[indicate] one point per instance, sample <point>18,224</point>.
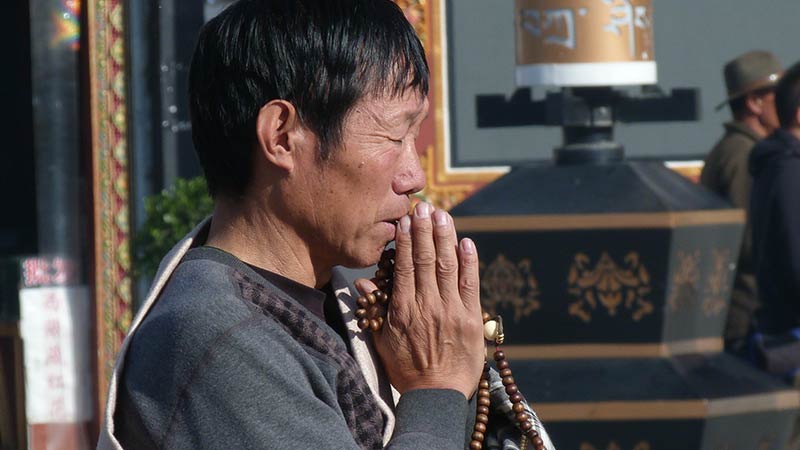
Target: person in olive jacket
<point>750,80</point>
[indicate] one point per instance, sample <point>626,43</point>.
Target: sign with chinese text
<point>54,325</point>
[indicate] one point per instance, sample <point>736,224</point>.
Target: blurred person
<point>775,213</point>
<point>750,80</point>
<point>304,118</point>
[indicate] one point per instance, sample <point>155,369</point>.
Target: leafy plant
<point>169,215</point>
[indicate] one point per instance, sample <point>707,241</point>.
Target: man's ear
<point>755,104</point>
<point>277,130</point>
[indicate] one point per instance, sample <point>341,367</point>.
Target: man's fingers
<point>468,274</point>
<point>424,251</point>
<point>364,286</point>
<point>446,256</point>
<point>404,286</point>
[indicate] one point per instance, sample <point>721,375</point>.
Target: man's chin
<point>367,259</point>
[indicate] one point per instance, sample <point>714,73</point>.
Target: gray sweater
<point>225,360</point>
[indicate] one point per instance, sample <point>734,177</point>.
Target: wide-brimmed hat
<point>750,72</point>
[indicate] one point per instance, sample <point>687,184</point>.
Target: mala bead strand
<point>372,307</point>
<point>370,311</point>
<point>522,417</point>
<point>482,414</point>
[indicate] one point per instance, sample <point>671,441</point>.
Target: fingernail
<point>423,210</point>
<point>468,246</point>
<point>404,223</point>
<point>440,218</point>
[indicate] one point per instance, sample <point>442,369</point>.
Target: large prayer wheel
<point>585,42</point>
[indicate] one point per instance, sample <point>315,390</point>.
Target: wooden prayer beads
<point>370,312</point>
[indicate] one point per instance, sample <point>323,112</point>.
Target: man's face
<point>354,198</point>
<point>769,116</point>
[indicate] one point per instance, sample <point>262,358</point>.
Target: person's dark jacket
<point>725,173</point>
<point>775,216</point>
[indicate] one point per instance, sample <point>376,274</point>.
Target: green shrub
<point>169,215</point>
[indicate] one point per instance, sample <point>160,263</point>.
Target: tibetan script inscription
<point>583,31</point>
<point>555,26</point>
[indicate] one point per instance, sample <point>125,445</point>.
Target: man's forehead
<point>407,107</point>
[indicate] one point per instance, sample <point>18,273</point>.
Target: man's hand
<point>433,333</point>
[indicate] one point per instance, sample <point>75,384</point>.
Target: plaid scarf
<point>360,411</point>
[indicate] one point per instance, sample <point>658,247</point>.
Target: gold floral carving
<point>415,13</point>
<point>686,275</point>
<point>613,445</point>
<point>509,285</point>
<point>608,285</point>
<point>718,283</point>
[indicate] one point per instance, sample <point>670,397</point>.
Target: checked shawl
<point>353,394</point>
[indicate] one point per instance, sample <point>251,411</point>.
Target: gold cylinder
<point>584,42</point>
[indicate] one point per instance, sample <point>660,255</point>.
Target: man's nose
<point>410,177</point>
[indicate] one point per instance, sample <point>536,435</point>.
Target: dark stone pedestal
<point>613,282</point>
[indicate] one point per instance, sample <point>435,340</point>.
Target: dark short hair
<point>787,96</point>
<point>323,56</point>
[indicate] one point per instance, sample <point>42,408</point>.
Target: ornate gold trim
<point>446,186</point>
<point>613,445</point>
<point>667,409</point>
<point>598,221</point>
<point>110,186</point>
<point>613,350</point>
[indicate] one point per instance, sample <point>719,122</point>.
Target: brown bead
<point>475,445</point>
<point>385,264</point>
<point>525,426</point>
<point>380,321</point>
<point>363,323</point>
<point>538,443</point>
<point>389,253</point>
<point>482,418</point>
<point>484,401</point>
<point>480,427</point>
<point>374,325</point>
<point>371,298</point>
<point>381,296</point>
<point>361,313</point>
<point>483,393</point>
<point>373,311</point>
<point>483,410</point>
<point>515,398</point>
<point>382,273</point>
<point>499,355</point>
<point>518,407</point>
<point>382,284</point>
<point>477,435</point>
<point>532,434</point>
<point>523,417</point>
<point>362,302</point>
<point>512,389</point>
<point>508,380</point>
<point>486,317</point>
<point>484,384</point>
<point>505,372</point>
<point>502,364</point>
